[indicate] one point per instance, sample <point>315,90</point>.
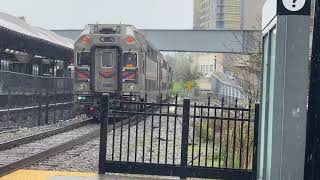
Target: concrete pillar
<point>282,131</point>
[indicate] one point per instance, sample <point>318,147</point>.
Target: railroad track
<point>31,138</point>
<point>26,152</point>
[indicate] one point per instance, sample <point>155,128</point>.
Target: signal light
<point>129,65</point>
<point>130,39</point>
<point>85,39</point>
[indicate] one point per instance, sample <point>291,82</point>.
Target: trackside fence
<point>185,140</point>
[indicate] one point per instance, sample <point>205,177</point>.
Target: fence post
<point>47,108</point>
<point>184,138</point>
<point>9,104</point>
<point>103,133</point>
<point>54,107</point>
<point>39,109</point>
<point>255,142</point>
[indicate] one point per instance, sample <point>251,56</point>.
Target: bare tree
<point>181,64</point>
<point>246,68</point>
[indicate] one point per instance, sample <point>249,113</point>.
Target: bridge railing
<point>18,83</point>
<point>225,89</point>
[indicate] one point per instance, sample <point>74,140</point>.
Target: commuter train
<point>117,59</point>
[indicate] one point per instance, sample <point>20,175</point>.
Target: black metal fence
<point>186,140</point>
<point>18,83</point>
<point>35,110</point>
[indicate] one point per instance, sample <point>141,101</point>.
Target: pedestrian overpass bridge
<point>211,41</point>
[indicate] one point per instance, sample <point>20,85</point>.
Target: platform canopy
<point>18,35</point>
<point>214,41</point>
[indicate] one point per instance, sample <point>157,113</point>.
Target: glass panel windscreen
<point>106,59</point>
<point>129,59</point>
<point>83,59</point>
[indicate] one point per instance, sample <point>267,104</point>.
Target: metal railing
<point>18,83</point>
<point>186,140</point>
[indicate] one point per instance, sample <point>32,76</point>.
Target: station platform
<point>64,175</point>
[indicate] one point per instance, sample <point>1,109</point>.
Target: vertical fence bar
<point>175,129</point>
<point>151,139</point>
<point>193,131</point>
<point>207,133</point>
<point>214,134</point>
<point>200,135</point>
<point>234,132</point>
<point>221,124</point>
<point>103,134</point>
<point>9,103</point>
<point>159,134</point>
<point>54,106</point>
<point>128,143</point>
<point>121,134</point>
<point>241,139</point>
<point>62,111</point>
<point>144,126</point>
<point>39,110</point>
<point>184,138</point>
<point>227,143</point>
<point>167,133</point>
<point>47,109</point>
<point>113,135</point>
<point>136,140</point>
<point>248,135</point>
<point>255,142</point>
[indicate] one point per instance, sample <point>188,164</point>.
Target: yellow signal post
<point>189,86</point>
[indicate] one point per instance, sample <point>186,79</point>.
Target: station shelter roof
<point>18,35</point>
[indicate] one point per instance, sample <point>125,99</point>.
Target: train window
<point>83,59</point>
<point>106,59</point>
<point>129,59</point>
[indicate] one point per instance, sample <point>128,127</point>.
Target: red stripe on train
<point>106,74</point>
<point>129,75</point>
<point>83,75</point>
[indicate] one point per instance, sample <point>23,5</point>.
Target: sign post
<point>312,158</point>
<point>283,109</point>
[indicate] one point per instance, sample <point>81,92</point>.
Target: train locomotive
<point>117,59</point>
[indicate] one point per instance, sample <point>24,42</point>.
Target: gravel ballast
<point>26,150</point>
<point>85,157</point>
<point>24,132</point>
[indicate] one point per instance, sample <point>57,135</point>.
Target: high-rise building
<point>227,14</point>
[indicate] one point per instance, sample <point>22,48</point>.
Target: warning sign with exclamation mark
<point>293,7</point>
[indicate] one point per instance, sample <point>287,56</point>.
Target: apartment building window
<point>211,68</point>
<point>201,68</point>
<point>220,25</point>
<point>215,65</point>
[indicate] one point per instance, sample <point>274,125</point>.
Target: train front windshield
<point>84,59</point>
<point>129,59</point>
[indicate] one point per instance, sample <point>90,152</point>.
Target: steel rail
<point>31,138</point>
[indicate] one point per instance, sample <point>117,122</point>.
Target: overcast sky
<point>67,14</point>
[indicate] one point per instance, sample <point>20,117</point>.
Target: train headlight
<point>81,98</point>
<point>131,87</point>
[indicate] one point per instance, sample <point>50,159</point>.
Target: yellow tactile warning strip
<point>42,175</point>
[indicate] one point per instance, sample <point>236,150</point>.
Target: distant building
<point>227,14</point>
<point>207,64</point>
